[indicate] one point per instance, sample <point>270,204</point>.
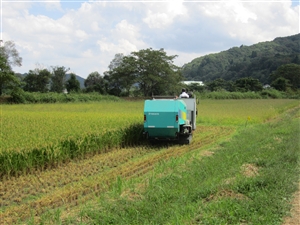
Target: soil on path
<point>294,219</point>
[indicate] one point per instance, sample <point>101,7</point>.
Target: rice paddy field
<point>55,159</point>
<point>30,126</point>
<point>33,126</point>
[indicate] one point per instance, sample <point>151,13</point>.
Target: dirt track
<point>294,219</point>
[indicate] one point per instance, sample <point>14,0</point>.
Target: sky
<point>85,36</point>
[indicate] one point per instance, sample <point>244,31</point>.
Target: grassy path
<point>248,180</point>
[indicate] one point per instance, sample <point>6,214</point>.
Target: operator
<point>183,94</point>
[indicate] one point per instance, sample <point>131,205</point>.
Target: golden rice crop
<point>41,135</point>
<point>241,112</point>
<point>34,126</point>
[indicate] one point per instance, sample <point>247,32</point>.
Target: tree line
<point>146,72</point>
<point>142,73</point>
<point>286,78</point>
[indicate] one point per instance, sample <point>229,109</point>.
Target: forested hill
<point>256,61</point>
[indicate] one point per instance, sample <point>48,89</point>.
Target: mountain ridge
<point>256,61</point>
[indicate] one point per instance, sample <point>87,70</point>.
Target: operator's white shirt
<point>184,95</point>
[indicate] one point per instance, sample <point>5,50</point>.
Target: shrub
<point>20,96</point>
<point>272,93</point>
<point>17,96</point>
<point>228,95</point>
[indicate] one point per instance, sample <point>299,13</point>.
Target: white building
<point>193,82</point>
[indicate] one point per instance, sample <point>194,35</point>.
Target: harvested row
<point>86,178</point>
<point>47,181</point>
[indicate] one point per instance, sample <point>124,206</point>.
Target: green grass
<point>195,189</point>
<point>241,112</point>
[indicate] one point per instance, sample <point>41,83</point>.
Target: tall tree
<point>123,75</point>
<point>37,80</point>
<point>217,85</point>
<point>116,62</point>
<point>7,76</point>
<point>290,73</point>
<point>9,57</point>
<point>58,78</point>
<point>11,54</point>
<point>30,81</point>
<point>43,80</point>
<point>73,84</point>
<point>155,72</point>
<point>281,84</point>
<point>112,86</point>
<point>94,82</point>
<point>248,84</point>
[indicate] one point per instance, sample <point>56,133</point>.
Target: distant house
<point>193,82</point>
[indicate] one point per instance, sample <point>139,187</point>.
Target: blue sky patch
<point>41,8</point>
<point>295,3</point>
<point>68,5</point>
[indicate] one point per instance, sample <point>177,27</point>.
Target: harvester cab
<point>169,118</point>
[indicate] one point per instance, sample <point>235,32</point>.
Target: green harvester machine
<point>169,118</point>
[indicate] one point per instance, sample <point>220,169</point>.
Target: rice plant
<point>39,135</point>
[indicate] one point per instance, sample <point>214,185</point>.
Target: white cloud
<point>157,20</point>
<point>160,15</point>
<point>87,38</point>
<point>85,8</point>
<point>67,20</point>
<point>125,29</point>
<point>106,46</point>
<point>125,38</point>
<point>81,35</point>
<point>121,46</point>
<point>254,21</point>
<point>52,5</point>
<point>88,54</point>
<point>95,26</point>
<point>46,47</point>
<point>14,9</point>
<point>228,11</point>
<point>183,57</point>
